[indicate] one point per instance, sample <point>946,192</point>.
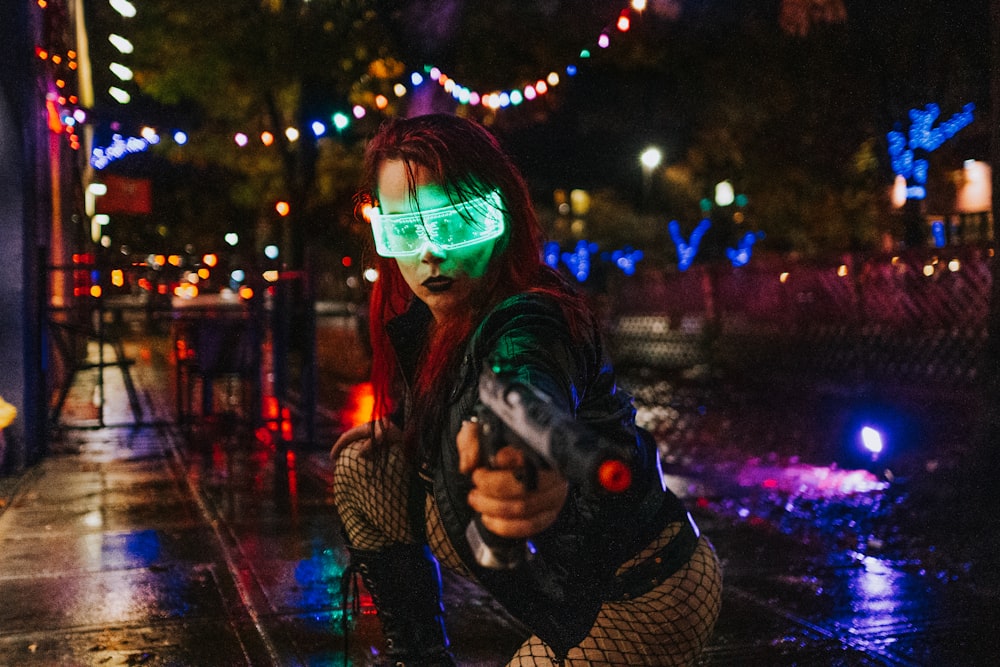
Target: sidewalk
<point>134,545</point>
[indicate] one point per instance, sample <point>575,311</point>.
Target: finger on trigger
<point>468,446</point>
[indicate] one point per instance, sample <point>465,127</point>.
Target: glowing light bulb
<point>120,43</point>
<point>241,139</point>
<point>121,71</point>
<point>603,41</point>
<point>120,96</point>
<point>123,7</point>
<point>871,439</point>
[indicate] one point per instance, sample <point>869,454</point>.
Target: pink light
<point>603,41</point>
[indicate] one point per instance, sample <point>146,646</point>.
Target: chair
<point>210,348</point>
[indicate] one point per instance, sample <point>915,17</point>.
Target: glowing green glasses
<point>464,224</point>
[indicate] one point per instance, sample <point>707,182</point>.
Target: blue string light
<point>119,148</point>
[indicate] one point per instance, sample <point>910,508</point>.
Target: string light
<point>119,148</point>
<point>494,100</point>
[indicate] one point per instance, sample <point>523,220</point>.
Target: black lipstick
<point>438,283</point>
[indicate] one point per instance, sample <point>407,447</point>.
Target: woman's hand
<point>508,509</point>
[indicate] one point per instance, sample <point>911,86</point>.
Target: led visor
<point>464,224</point>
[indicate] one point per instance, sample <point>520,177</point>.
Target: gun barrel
<point>563,443</point>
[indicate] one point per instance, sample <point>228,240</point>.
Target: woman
<point>615,578</point>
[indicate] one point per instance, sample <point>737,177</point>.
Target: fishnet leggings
<point>668,625</point>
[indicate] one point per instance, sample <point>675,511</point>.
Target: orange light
<point>55,125</point>
<point>282,208</point>
<point>286,424</point>
<point>210,259</point>
<point>614,476</point>
<point>266,138</point>
<point>186,290</point>
<point>381,101</point>
<point>366,210</point>
<point>204,273</point>
<point>360,404</point>
<point>174,260</point>
<point>246,292</point>
<point>95,291</point>
<point>117,277</point>
<point>269,408</point>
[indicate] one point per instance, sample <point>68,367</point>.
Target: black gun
<point>520,415</point>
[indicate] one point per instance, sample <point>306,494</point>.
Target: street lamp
<point>650,159</point>
<point>724,194</point>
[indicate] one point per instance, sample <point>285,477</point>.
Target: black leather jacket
<point>557,593</point>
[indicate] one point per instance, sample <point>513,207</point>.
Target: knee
<point>351,465</point>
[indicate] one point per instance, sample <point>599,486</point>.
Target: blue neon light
<point>625,259</point>
<point>550,254</point>
<point>923,136</point>
<point>740,255</point>
<point>938,232</point>
<point>686,251</point>
<point>871,440</point>
<point>578,261</point>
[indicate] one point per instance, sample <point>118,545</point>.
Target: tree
<point>260,68</point>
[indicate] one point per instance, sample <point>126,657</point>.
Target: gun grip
<point>495,552</point>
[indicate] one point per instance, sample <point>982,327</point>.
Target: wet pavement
<point>146,544</point>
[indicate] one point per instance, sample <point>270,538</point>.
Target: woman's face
<point>446,280</point>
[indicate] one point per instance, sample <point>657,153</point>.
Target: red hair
<point>467,161</point>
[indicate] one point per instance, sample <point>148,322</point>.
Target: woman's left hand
<point>509,509</point>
